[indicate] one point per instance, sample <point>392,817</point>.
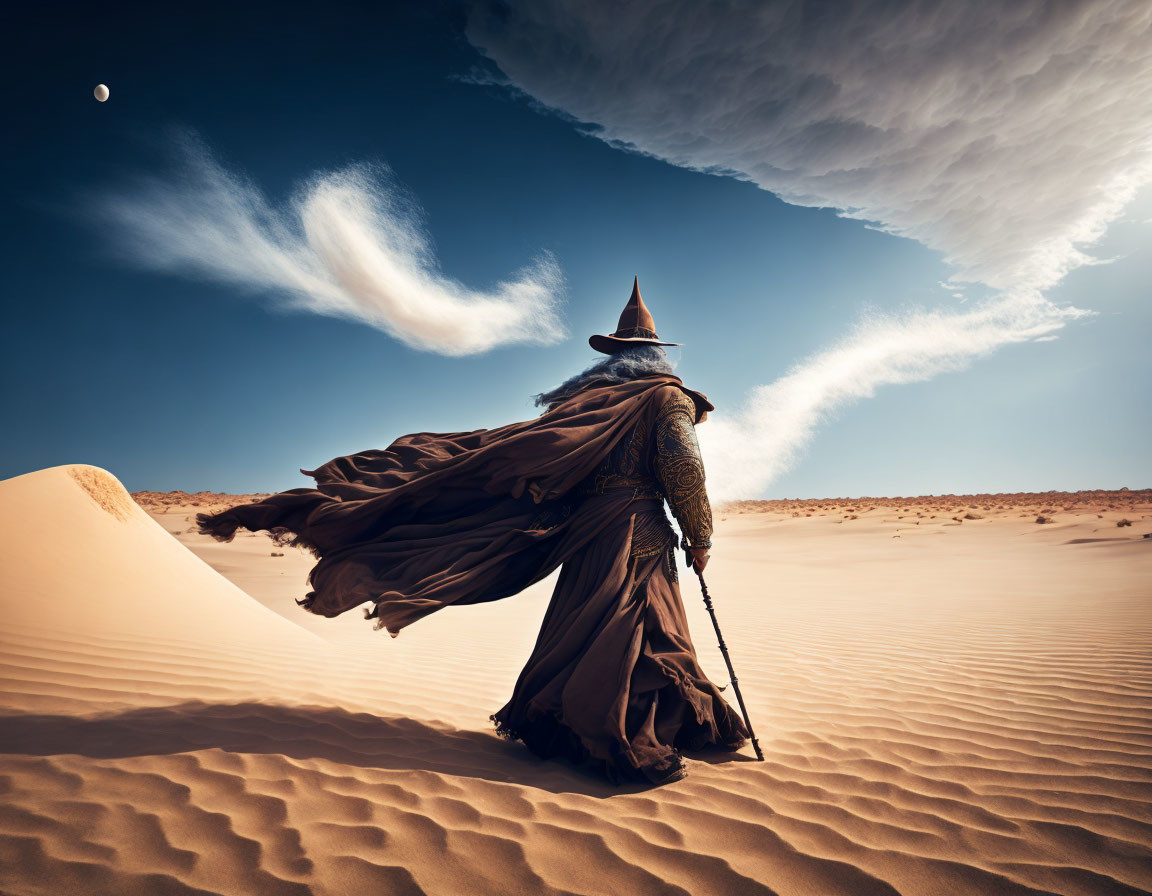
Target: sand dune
<point>963,709</point>
<point>85,557</point>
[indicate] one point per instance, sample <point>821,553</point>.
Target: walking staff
<point>724,650</point>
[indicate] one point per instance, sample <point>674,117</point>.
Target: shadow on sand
<point>306,732</point>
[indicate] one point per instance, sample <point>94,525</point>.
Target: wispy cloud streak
<point>347,245</point>
<point>1005,136</point>
<point>750,448</point>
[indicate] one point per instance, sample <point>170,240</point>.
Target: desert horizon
<point>1066,500</point>
<point>941,712</point>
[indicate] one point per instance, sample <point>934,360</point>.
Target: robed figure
<point>461,518</point>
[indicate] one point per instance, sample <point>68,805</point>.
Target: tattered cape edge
<point>222,527</point>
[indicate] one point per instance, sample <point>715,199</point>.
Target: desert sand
<point>952,697</point>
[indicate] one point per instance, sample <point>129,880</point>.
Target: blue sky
<point>185,382</point>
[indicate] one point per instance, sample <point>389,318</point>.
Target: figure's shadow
<point>304,732</point>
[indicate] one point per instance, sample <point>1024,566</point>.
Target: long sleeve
<point>680,468</point>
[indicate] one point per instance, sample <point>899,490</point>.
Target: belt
<point>637,496</point>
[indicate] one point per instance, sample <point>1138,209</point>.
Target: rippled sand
<point>947,705</point>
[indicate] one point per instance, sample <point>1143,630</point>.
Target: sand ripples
<point>922,736</point>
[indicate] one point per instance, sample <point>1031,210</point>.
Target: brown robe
<point>460,518</point>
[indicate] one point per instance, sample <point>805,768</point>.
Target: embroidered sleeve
<point>680,469</point>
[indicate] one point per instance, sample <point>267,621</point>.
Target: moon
<point>101,92</point>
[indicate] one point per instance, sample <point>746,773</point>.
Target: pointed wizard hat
<point>636,327</point>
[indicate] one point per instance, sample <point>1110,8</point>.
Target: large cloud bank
<point>347,245</point>
<point>1005,136</point>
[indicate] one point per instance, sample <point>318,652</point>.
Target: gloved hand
<point>698,557</point>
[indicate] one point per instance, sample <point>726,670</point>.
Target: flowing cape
<point>452,518</point>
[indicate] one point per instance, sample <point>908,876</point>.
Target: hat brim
<point>610,344</point>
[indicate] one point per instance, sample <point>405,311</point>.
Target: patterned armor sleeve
<point>680,469</point>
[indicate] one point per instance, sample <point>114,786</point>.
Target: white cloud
<point>1004,136</point>
<point>347,245</point>
<point>747,450</point>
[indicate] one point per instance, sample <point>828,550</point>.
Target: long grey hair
<point>619,367</point>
